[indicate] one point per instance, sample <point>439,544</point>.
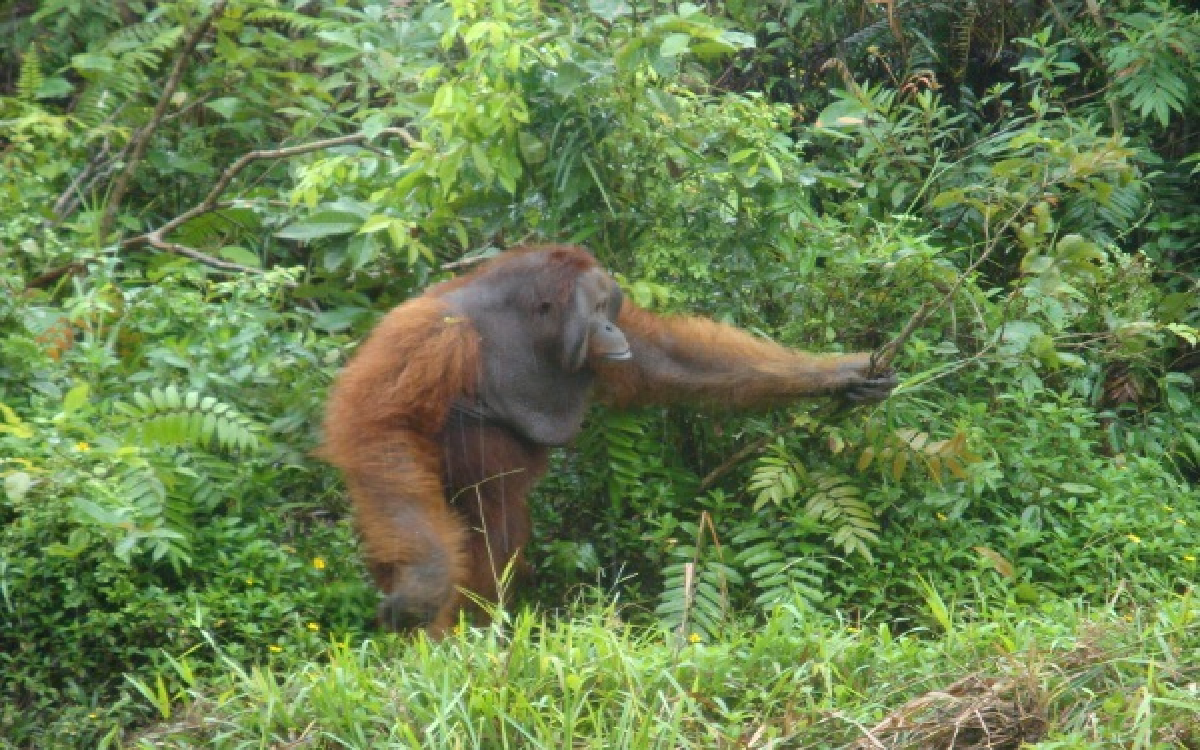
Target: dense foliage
<point>207,202</point>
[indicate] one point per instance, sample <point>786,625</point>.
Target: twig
<point>99,167</point>
<point>212,202</point>
<point>142,139</point>
<point>68,200</point>
<point>742,454</point>
<point>461,263</point>
<point>52,276</point>
<point>881,359</point>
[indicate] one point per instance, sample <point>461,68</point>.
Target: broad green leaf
<point>240,255</point>
<point>75,398</point>
<point>842,114</point>
<point>674,45</point>
<point>321,224</point>
<point>17,485</point>
<point>949,198</point>
<point>377,223</point>
<point>225,106</point>
<point>609,10</point>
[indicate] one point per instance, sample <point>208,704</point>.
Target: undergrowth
<point>1065,675</point>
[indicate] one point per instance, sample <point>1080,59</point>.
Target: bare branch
<point>881,359</point>
<point>142,139</point>
<point>212,202</point>
<point>742,454</point>
<point>208,260</point>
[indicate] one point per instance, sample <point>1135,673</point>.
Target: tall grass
<point>1063,675</point>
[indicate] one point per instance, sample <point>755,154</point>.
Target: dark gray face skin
<point>537,339</point>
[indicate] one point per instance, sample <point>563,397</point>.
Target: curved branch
<point>212,201</point>
<point>142,139</point>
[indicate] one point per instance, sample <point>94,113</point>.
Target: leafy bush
<point>139,507</point>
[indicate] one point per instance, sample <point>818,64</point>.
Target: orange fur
<point>683,359</point>
<point>417,360</point>
<point>384,412</point>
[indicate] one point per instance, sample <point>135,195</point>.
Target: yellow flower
<point>274,649</point>
<point>695,638</point>
<point>1190,558</point>
<point>249,581</point>
<point>82,446</point>
<point>319,563</point>
<point>1181,521</point>
<point>313,627</point>
<point>1168,508</point>
<point>941,516</point>
<point>1133,538</point>
<point>93,716</point>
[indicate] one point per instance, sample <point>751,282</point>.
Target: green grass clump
<point>1060,676</point>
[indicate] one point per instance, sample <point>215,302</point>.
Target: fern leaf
<point>164,417</point>
<point>30,78</point>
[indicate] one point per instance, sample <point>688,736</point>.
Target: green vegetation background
<point>204,204</point>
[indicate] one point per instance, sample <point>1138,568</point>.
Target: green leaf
<point>376,223</point>
<point>1016,335</point>
<point>338,319</point>
<point>674,45</point>
<point>240,255</point>
<point>844,113</point>
<point>94,63</point>
<point>609,10</point>
<point>17,485</point>
<point>226,106</point>
<point>321,224</point>
<point>375,123</point>
<point>93,512</point>
<point>738,39</point>
<point>75,398</point>
<point>54,87</point>
<point>949,198</point>
<point>742,155</point>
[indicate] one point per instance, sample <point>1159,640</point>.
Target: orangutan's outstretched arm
<point>689,360</point>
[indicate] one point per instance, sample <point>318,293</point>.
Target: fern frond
<point>964,27</point>
<point>144,42</point>
<point>165,417</point>
<point>695,598</point>
<point>30,78</point>
<point>839,502</point>
<point>291,20</point>
<point>776,571</point>
<point>776,478</point>
<point>1154,67</point>
<point>164,518</point>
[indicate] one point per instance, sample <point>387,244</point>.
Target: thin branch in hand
<point>881,359</point>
